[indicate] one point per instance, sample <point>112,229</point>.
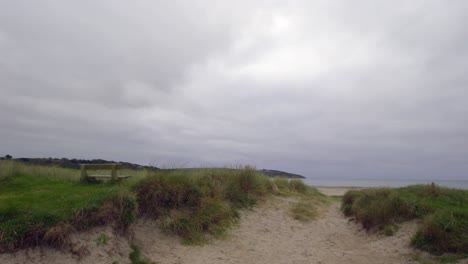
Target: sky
<point>326,89</point>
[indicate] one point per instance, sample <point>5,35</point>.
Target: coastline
<point>382,183</point>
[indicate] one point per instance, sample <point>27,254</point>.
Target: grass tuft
<point>304,211</point>
<point>58,235</point>
<point>195,202</point>
<point>102,239</point>
<point>444,213</point>
<point>444,231</point>
<point>298,186</point>
<point>390,230</point>
<point>136,258</point>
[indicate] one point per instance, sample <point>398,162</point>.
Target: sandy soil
<point>270,235</point>
<point>85,250</point>
<point>335,191</point>
<point>266,234</point>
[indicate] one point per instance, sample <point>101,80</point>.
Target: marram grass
<point>193,203</point>
<point>42,205</point>
<point>443,211</point>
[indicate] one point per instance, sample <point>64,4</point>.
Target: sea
<point>459,184</point>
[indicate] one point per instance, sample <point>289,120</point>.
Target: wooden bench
<point>113,167</point>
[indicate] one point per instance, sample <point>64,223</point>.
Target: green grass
<point>448,258</point>
<point>102,239</point>
<point>13,168</point>
<point>44,210</point>
<point>295,187</point>
<point>443,211</point>
<point>10,168</point>
<point>304,211</point>
<point>194,203</point>
<point>43,205</point>
<point>310,199</point>
<point>136,258</point>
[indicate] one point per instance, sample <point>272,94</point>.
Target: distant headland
<point>277,173</point>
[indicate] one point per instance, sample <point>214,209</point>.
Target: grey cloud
<point>323,88</point>
<point>93,50</point>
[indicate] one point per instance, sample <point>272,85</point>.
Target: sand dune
<point>270,235</point>
<point>266,234</point>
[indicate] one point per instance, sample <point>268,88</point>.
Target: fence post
<point>114,173</point>
<point>84,173</point>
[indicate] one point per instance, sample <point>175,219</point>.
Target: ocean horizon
<point>459,184</point>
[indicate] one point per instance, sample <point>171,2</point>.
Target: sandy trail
<point>266,234</point>
<point>269,235</point>
<point>336,191</point>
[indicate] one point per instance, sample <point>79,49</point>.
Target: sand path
<point>268,234</point>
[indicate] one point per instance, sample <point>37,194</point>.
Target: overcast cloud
<point>321,88</point>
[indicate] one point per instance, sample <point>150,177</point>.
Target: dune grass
<point>304,211</point>
<point>136,257</point>
<point>196,202</point>
<point>434,259</point>
<point>295,187</point>
<point>443,211</point>
<point>310,200</point>
<point>38,206</point>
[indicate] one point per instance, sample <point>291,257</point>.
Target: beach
<point>335,191</point>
